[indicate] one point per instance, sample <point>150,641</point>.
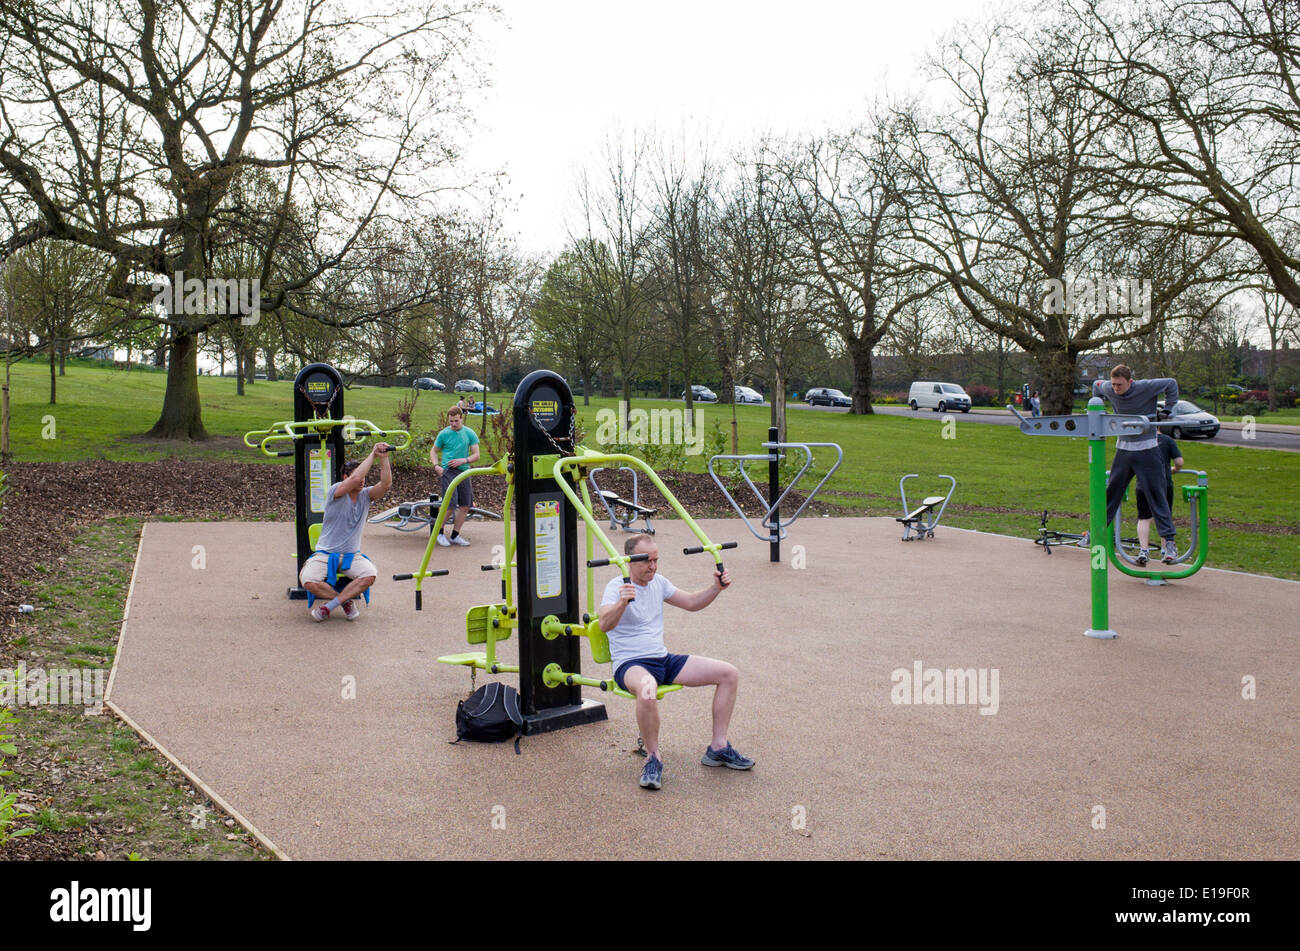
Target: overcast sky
<point>565,73</point>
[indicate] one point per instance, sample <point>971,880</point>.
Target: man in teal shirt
<point>459,447</point>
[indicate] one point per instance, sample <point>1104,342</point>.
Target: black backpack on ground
<point>490,715</point>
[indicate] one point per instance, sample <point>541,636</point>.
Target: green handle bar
<point>292,430</point>
<point>499,467</point>
<point>1202,548</point>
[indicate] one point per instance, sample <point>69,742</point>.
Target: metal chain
<point>315,407</point>
<point>571,438</point>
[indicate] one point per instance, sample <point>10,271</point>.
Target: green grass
<point>110,780</point>
<point>1004,479</point>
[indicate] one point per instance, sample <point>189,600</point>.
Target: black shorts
<point>663,669</point>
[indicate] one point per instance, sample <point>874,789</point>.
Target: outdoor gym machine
<point>317,437</point>
<point>1097,425</point>
<point>1195,496</point>
<point>546,483</point>
<point>771,521</point>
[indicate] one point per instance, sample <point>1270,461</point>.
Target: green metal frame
<point>291,430</point>
<point>483,622</point>
<point>1201,493</point>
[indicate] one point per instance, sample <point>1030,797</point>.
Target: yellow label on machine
<point>547,561</point>
<point>318,473</point>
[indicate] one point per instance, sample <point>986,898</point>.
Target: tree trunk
<point>778,404</point>
<point>860,394</point>
<point>1056,370</point>
<point>250,364</point>
<point>182,416</point>
<point>239,370</point>
<point>271,375</point>
<point>63,356</point>
<point>53,375</point>
<point>1272,371</point>
<point>4,416</point>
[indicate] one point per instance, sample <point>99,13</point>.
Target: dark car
<point>427,383</point>
<point>1191,420</point>
<point>824,396</point>
<point>701,394</point>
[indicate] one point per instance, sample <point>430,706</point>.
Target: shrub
<point>981,395</point>
<point>9,813</point>
<point>1259,396</point>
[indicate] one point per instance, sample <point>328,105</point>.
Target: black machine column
<point>774,492</point>
<point>317,457</point>
<point>546,553</point>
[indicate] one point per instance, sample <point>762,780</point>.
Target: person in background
<point>1135,452</point>
<point>459,447</point>
<point>1172,458</point>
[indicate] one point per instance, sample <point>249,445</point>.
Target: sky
<point>565,74</point>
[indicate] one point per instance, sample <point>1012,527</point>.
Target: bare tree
<point>760,281</point>
<point>611,252</point>
<point>1280,322</point>
<point>123,125</point>
<point>1019,210</point>
<point>681,231</point>
<point>1208,92</point>
<point>845,199</point>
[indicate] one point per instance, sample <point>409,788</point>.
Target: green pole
<point>1097,522</point>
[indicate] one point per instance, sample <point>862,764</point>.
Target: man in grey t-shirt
<point>1137,455</point>
<point>347,504</point>
<point>632,617</point>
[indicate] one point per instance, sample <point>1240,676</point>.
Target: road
<point>1265,438</point>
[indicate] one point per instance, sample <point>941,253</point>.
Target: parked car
<point>1192,421</point>
<point>825,396</point>
<point>427,383</point>
<point>701,394</point>
<point>744,394</point>
<point>940,397</point>
<point>470,386</point>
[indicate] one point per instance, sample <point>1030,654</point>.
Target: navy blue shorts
<point>663,669</point>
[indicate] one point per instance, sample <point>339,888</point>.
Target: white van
<point>940,397</point>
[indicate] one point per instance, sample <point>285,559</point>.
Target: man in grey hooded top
<point>1136,454</point>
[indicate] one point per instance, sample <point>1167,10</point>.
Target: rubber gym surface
<point>236,683</point>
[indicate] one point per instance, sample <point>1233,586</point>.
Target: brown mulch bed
<point>50,502</point>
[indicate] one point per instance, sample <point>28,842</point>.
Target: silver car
<point>1192,421</point>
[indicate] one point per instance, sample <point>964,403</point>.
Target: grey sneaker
<point>459,540</point>
<point>727,756</point>
<point>1144,555</point>
<point>442,540</point>
<point>1169,553</point>
<point>1083,542</point>
<point>652,777</point>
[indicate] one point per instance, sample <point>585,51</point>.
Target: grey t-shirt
<point>343,522</point>
<point>640,632</point>
<point>1140,399</point>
